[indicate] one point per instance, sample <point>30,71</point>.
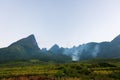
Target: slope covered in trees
<point>27,49</point>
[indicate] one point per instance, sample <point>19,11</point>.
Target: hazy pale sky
<point>63,22</point>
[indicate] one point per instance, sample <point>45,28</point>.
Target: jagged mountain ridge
<point>29,44</point>
<point>27,48</point>
<point>110,49</point>
<point>95,50</point>
<point>25,41</point>
<point>116,40</point>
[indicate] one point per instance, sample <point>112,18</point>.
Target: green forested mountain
<point>27,49</point>
<point>21,50</point>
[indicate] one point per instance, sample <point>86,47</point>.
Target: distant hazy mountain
<point>27,48</point>
<point>110,49</point>
<point>95,50</point>
<point>116,40</point>
<point>55,48</point>
<point>85,51</point>
<point>44,49</point>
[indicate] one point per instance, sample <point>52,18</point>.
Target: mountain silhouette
<point>27,48</point>
<point>23,49</point>
<point>29,44</point>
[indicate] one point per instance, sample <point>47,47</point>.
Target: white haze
<point>76,52</point>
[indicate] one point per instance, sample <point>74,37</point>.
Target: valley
<point>24,60</point>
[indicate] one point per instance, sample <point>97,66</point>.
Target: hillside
<point>24,60</point>
<point>27,49</point>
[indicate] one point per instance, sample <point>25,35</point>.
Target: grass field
<point>98,69</point>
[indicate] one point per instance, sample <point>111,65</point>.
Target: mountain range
<point>27,49</point>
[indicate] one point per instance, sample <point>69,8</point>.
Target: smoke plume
<point>90,49</point>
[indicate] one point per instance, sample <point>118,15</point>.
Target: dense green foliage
<point>98,69</point>
<point>58,58</point>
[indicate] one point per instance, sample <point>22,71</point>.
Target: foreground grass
<point>85,70</point>
<point>26,68</point>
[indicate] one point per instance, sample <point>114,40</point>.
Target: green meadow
<point>96,69</point>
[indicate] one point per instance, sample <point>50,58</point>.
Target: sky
<point>63,22</point>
